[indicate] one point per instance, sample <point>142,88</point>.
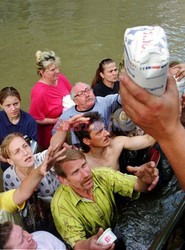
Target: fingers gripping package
<point>147,57</point>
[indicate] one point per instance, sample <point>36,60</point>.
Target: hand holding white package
<point>147,57</point>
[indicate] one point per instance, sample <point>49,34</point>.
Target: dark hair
<point>82,131</point>
<point>8,91</point>
<point>71,155</point>
<point>5,231</point>
<point>101,68</point>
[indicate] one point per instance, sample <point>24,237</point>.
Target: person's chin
<point>89,104</point>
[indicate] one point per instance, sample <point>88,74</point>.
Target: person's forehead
<point>16,230</point>
<point>80,87</point>
<point>69,166</point>
<point>16,143</point>
<point>96,126</point>
<point>110,66</point>
<point>10,99</point>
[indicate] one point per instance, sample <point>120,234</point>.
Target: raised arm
<point>27,187</point>
<point>159,117</point>
<point>135,142</point>
<point>60,136</point>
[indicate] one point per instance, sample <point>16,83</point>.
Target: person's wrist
<point>171,134</point>
<point>39,170</point>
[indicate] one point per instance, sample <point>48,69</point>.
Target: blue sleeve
<point>112,102</point>
<point>32,129</point>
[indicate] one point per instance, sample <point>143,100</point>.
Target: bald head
<point>78,87</point>
<point>83,96</point>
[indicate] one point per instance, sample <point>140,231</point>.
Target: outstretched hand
<point>72,122</point>
<point>147,173</point>
<point>53,155</point>
<point>151,113</point>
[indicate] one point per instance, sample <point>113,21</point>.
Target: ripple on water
<point>141,220</point>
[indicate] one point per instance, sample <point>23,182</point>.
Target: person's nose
<point>13,107</point>
<point>84,173</point>
<point>106,133</point>
<point>86,93</point>
<point>115,72</point>
<point>56,70</point>
<point>24,151</point>
<point>28,236</point>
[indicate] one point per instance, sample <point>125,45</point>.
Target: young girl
<point>13,119</point>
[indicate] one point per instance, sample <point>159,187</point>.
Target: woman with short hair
<point>47,95</point>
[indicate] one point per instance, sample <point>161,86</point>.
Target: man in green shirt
<point>84,205</point>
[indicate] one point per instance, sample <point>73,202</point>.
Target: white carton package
<point>147,57</point>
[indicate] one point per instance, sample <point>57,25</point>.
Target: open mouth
<point>28,159</point>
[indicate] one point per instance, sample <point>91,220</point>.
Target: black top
<point>100,89</point>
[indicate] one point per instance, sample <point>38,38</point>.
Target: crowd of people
<point>76,172</point>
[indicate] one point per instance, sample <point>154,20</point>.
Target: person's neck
<point>97,153</point>
<point>23,172</point>
<point>47,82</point>
<point>83,109</point>
<point>88,194</point>
<point>14,120</point>
<point>108,84</point>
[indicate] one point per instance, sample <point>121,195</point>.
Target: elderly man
<point>14,237</point>
<point>85,101</point>
<point>84,203</point>
<point>159,117</point>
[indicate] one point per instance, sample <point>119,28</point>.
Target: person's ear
<point>63,180</point>
<point>42,72</point>
<point>86,141</point>
<point>102,75</point>
<point>10,162</point>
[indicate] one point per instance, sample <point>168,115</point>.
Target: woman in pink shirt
<point>47,95</point>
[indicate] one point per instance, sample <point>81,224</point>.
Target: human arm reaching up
<point>159,117</point>
<point>28,185</point>
<point>60,136</point>
<point>134,143</point>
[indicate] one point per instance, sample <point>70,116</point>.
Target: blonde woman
<point>47,95</point>
<point>19,155</point>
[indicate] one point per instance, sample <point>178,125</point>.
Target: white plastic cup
<point>108,237</point>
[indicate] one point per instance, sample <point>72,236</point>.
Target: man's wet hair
<point>82,131</point>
